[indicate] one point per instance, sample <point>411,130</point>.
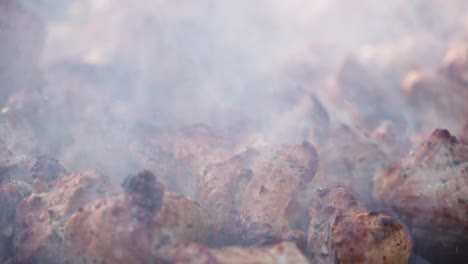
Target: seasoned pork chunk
<point>342,230</point>
<point>128,227</point>
<point>428,188</point>
<point>41,216</point>
<point>11,194</point>
<point>254,193</point>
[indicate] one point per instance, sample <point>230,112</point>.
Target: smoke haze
<point>111,68</point>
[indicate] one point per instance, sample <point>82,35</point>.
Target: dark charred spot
<point>444,134</point>
<point>258,234</point>
<point>429,144</point>
<point>246,174</point>
<point>51,213</point>
<point>299,238</point>
<point>461,201</point>
<point>263,189</point>
<point>47,168</point>
<point>322,192</point>
<point>234,212</point>
<point>144,190</point>
<point>390,223</point>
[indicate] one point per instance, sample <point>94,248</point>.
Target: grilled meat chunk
<point>342,230</point>
<point>41,216</point>
<point>428,188</point>
<point>191,253</point>
<point>11,194</point>
<point>128,227</point>
<point>253,194</point>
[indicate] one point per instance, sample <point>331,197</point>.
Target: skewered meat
<point>253,194</point>
<point>191,253</point>
<point>428,188</point>
<point>41,216</point>
<point>342,230</point>
<point>128,227</point>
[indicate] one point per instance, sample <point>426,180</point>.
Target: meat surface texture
<point>131,226</point>
<point>342,230</point>
<point>11,194</point>
<point>41,216</point>
<point>252,195</point>
<point>428,188</point>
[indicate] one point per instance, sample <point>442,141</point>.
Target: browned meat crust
<point>253,193</point>
<point>342,230</point>
<point>11,193</point>
<point>128,227</point>
<point>428,187</point>
<point>41,216</point>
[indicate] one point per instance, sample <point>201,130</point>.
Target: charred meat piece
<point>176,174</point>
<point>44,171</point>
<point>41,216</point>
<point>342,230</point>
<point>128,227</point>
<point>253,194</point>
<point>38,170</point>
<point>191,253</point>
<point>428,188</point>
